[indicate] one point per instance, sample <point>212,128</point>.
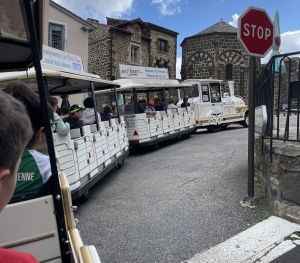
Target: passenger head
<point>107,110</point>
<point>171,99</point>
<point>114,109</point>
<point>31,101</point>
<point>76,111</point>
<point>54,103</point>
<point>58,111</point>
<point>158,100</point>
<point>15,133</point>
<point>102,108</point>
<point>88,103</point>
<point>64,111</point>
<point>151,102</point>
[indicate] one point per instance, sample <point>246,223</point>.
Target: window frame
<point>207,90</point>
<point>63,35</point>
<point>159,41</point>
<point>138,48</point>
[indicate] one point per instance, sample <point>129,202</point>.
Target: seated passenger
<point>89,113</point>
<point>106,113</point>
<point>171,105</point>
<point>61,128</point>
<point>141,107</point>
<point>114,111</point>
<point>76,113</point>
<point>14,135</point>
<point>159,106</point>
<point>150,106</point>
<point>35,169</point>
<point>64,112</point>
<point>185,102</point>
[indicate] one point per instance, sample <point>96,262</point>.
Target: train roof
<point>59,82</point>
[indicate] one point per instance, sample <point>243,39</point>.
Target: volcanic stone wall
<point>206,56</point>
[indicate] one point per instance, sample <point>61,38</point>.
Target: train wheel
<point>214,128</point>
<point>120,165</point>
<point>85,197</point>
<point>186,136</point>
<point>245,122</point>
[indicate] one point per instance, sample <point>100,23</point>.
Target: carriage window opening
<point>228,70</point>
<point>128,108</point>
<point>215,93</point>
<point>205,93</point>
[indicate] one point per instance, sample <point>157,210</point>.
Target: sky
<point>188,17</point>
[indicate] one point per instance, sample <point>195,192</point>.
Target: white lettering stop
<point>255,31</point>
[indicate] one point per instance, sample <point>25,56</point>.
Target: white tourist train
<point>213,108</point>
<point>88,153</point>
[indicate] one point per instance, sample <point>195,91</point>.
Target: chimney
<point>231,87</point>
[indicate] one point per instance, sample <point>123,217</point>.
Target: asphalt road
<point>167,205</point>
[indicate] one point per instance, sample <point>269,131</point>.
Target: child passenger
<point>14,136</point>
<point>89,112</point>
<point>76,113</point>
<point>32,161</point>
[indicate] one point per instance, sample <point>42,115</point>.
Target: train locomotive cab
<point>214,108</point>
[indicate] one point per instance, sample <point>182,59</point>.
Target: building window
<point>56,36</point>
<point>228,71</point>
<point>165,64</point>
<point>157,63</point>
<point>162,45</point>
<point>136,34</point>
<point>135,54</point>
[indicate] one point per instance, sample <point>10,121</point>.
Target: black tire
<point>155,147</point>
<point>85,197</point>
<point>223,127</point>
<point>120,165</point>
<point>186,136</point>
<point>195,131</point>
<point>245,122</point>
<point>214,128</point>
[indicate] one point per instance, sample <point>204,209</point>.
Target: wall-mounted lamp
<point>86,28</point>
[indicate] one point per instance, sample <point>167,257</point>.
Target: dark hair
<point>53,101</point>
<point>14,131</point>
<point>88,103</point>
<point>58,111</point>
<point>31,101</point>
<point>107,109</point>
<point>64,110</point>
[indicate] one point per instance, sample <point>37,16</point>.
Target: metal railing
<point>278,87</point>
<point>57,43</point>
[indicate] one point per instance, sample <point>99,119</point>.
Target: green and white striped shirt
<point>34,171</point>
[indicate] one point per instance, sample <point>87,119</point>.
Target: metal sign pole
<point>250,199</point>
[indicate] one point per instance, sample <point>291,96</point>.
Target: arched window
<point>136,34</point>
<point>228,71</point>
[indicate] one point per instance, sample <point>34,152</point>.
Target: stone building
<point>130,42</point>
<point>216,53</point>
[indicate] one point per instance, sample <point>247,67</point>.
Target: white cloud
<point>290,42</point>
<point>178,68</point>
<point>98,9</point>
<point>234,20</point>
<point>167,7</point>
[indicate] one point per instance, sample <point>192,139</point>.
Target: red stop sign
<point>256,31</point>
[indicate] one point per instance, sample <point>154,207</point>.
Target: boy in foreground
<point>15,133</point>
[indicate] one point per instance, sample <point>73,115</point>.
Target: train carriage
<point>147,129</point>
<point>85,155</point>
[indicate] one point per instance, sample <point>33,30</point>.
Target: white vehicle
<point>85,155</point>
<point>213,109</point>
<point>146,129</point>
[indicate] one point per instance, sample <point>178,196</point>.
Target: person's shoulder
<point>8,256</point>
